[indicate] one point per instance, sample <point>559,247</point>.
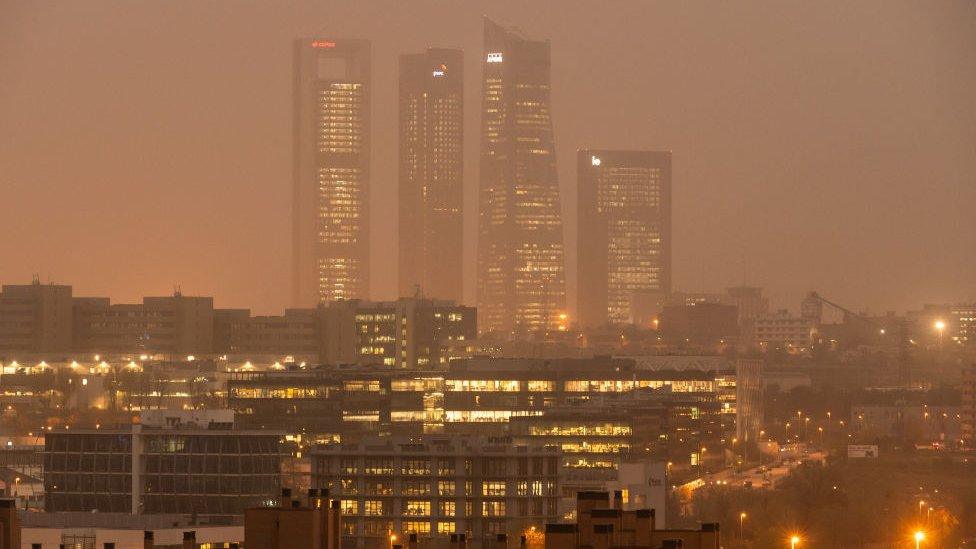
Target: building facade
<point>172,462</point>
<point>780,329</point>
<point>35,317</point>
<point>331,170</point>
<point>596,411</point>
<point>624,236</point>
<point>521,266</point>
<point>431,173</point>
<point>438,486</point>
<point>175,326</point>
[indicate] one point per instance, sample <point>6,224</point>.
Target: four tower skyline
<point>521,279</point>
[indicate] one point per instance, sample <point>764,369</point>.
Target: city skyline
<point>715,226</point>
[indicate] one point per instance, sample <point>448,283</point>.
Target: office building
<point>412,333</point>
<point>437,486</point>
<point>35,317</point>
<point>172,461</point>
<point>331,170</point>
<point>780,329</point>
<point>597,411</point>
<point>521,270</point>
<point>174,327</point>
<point>297,333</point>
<point>431,173</point>
<point>624,236</point>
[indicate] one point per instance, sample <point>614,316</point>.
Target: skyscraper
<point>331,170</point>
<point>431,189</point>
<point>624,233</point>
<point>521,272</point>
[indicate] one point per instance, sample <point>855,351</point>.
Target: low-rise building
<point>435,486</point>
<point>601,524</point>
<point>780,329</point>
<point>171,462</point>
<point>295,524</point>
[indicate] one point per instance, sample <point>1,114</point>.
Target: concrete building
<point>437,486</point>
<point>780,329</point>
<point>298,333</point>
<point>407,333</point>
<point>331,170</point>
<point>521,264</point>
<point>624,243</point>
<point>431,87</point>
<point>124,531</point>
<point>174,327</point>
<point>173,461</point>
<point>35,317</point>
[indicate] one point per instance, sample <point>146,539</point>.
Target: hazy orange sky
<point>817,145</point>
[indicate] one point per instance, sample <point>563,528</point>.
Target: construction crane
<point>901,327</point>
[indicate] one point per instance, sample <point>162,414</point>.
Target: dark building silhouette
<point>331,170</point>
<point>624,235</point>
<point>521,278</point>
<point>293,525</point>
<point>703,323</point>
<point>431,168</point>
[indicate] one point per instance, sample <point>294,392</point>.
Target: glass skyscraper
<point>331,170</point>
<point>521,269</point>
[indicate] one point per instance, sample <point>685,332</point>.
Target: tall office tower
<point>624,233</point>
<point>431,190</point>
<point>521,271</point>
<point>331,170</point>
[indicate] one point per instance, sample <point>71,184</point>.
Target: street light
<point>919,536</point>
<point>742,517</point>
<point>793,541</point>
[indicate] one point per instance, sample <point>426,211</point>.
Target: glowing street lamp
<point>742,518</point>
<point>919,536</point>
<point>793,541</point>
